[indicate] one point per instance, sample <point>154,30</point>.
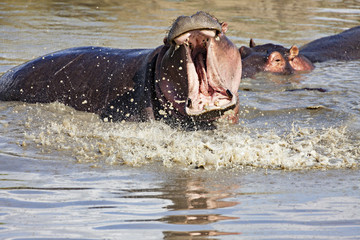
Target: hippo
<point>191,79</point>
<point>272,58</point>
<point>344,46</point>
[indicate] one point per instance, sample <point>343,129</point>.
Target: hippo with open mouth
<point>193,78</point>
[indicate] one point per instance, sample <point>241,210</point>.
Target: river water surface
<point>288,170</point>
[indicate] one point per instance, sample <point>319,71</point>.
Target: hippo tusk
<point>228,92</point>
<point>176,48</point>
<point>189,103</point>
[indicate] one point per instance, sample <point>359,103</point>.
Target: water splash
<point>58,130</point>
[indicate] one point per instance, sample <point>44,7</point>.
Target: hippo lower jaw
<point>207,93</point>
<point>216,103</point>
<point>211,112</point>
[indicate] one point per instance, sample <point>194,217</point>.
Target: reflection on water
<point>66,174</point>
<point>176,203</point>
<point>194,196</point>
<point>189,193</point>
<point>195,235</point>
<point>57,199</point>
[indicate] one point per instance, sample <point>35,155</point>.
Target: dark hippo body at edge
<point>188,80</point>
<point>344,46</point>
<point>106,74</point>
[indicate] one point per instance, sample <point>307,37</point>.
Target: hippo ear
<point>224,27</point>
<point>294,52</point>
<point>245,51</point>
<point>252,43</point>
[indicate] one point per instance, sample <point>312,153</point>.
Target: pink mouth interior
<point>206,87</point>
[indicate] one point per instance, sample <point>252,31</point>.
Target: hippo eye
<point>278,60</point>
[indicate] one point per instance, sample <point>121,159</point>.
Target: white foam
<point>87,139</point>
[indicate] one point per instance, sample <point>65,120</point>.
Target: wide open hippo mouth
<point>209,94</point>
<point>200,69</point>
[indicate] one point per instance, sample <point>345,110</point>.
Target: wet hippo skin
<point>344,46</point>
<point>192,78</point>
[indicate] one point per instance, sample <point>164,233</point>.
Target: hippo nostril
<point>228,92</point>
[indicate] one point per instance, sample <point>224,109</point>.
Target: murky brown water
<point>287,170</point>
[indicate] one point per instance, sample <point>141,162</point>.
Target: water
<point>288,170</point>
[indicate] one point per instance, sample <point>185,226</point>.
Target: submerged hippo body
<point>188,79</point>
<point>344,46</point>
<point>269,57</point>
